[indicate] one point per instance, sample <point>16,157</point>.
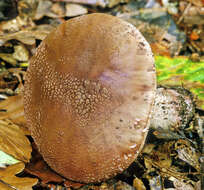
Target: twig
<point>184,13</point>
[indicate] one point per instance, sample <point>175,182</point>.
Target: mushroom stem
<point>173,109</point>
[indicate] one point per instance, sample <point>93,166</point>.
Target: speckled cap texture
<point>89,92</point>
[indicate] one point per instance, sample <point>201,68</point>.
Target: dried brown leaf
<point>199,3</point>
<point>38,167</point>
<point>59,9</point>
<point>74,185</point>
<point>109,185</point>
<point>8,81</point>
<point>16,24</point>
<point>13,109</point>
<point>27,36</point>
<point>8,58</point>
<point>187,153</point>
<point>14,142</point>
<point>41,170</point>
<point>138,184</point>
<point>8,180</point>
<point>20,53</point>
<point>44,9</point>
<point>101,3</point>
<point>180,185</point>
<point>75,10</point>
<point>112,3</point>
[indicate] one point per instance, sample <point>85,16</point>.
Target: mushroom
<point>173,109</point>
<point>89,92</point>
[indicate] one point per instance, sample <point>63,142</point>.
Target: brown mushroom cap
<point>88,96</point>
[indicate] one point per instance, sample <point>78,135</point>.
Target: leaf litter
<point>170,160</point>
<point>14,142</point>
<point>9,180</point>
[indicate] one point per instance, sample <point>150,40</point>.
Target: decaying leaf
<point>163,157</point>
<point>75,10</point>
<point>7,81</point>
<point>8,58</point>
<point>16,24</point>
<point>13,141</point>
<point>6,160</point>
<point>138,184</point>
<point>38,167</point>
<point>155,183</point>
<point>112,3</point>
<point>8,180</point>
<point>11,82</point>
<point>191,14</point>
<point>27,36</point>
<point>44,9</point>
<point>12,108</point>
<point>41,170</point>
<point>187,153</point>
<point>161,41</point>
<point>109,185</point>
<point>59,9</point>
<point>74,185</point>
<point>180,185</point>
<point>198,3</point>
<point>20,53</point>
<point>101,3</point>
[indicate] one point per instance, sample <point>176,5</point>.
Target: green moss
<point>181,71</point>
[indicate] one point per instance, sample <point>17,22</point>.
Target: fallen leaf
<point>6,160</point>
<point>16,24</point>
<point>20,53</point>
<point>8,58</point>
<point>101,3</point>
<point>112,3</point>
<point>27,36</point>
<point>44,9</point>
<point>74,185</point>
<point>138,184</point>
<point>162,40</point>
<point>198,3</point>
<point>38,167</point>
<point>180,185</point>
<point>8,81</point>
<point>12,108</point>
<point>187,153</point>
<point>41,170</point>
<point>8,180</point>
<point>14,142</point>
<point>109,185</point>
<point>59,9</point>
<point>75,10</point>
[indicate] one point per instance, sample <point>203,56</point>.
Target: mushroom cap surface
<point>89,91</point>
